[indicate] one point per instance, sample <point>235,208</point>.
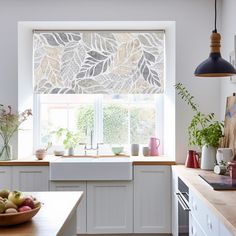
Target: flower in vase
<point>9,124</point>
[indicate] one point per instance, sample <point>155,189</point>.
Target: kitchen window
<point>113,119</point>
<point>106,83</point>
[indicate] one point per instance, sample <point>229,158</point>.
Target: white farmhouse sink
<point>91,169</point>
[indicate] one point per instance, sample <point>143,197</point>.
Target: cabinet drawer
<point>207,220</point>
<point>194,228</point>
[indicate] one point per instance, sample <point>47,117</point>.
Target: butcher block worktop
<point>222,203</point>
<point>136,160</point>
<point>55,218</point>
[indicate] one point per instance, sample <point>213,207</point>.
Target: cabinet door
<point>194,227</point>
<point>30,178</point>
<point>152,199</point>
<point>109,207</point>
<point>5,177</point>
<point>224,231</point>
<point>81,211</point>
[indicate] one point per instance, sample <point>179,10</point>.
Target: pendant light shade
<point>215,65</point>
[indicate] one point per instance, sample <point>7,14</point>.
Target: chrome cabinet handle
<point>182,201</point>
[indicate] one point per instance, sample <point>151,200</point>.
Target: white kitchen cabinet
<point>224,231</point>
<point>174,204</point>
<point>152,199</point>
<point>202,214</point>
<point>5,177</point>
<point>194,228</point>
<point>74,186</point>
<point>110,207</point>
<point>30,178</point>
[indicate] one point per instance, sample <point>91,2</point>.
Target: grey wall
<point>194,22</point>
<point>228,33</point>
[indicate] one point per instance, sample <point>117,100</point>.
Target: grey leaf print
<point>148,74</point>
<point>95,64</point>
<point>72,59</point>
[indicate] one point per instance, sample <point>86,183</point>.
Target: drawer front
<point>207,220</point>
<point>194,228</point>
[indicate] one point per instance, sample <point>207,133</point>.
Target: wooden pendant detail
<point>215,43</point>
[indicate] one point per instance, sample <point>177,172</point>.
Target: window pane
<point>142,124</point>
<point>84,121</point>
<point>115,123</point>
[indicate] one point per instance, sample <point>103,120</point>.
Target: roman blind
<point>98,62</point>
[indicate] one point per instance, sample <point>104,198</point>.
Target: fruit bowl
<point>18,218</point>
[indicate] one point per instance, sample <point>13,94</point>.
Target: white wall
<point>228,33</point>
<point>194,20</point>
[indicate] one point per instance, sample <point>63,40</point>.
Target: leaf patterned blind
<point>98,62</point>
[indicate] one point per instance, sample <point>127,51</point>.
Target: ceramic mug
<point>146,151</point>
<point>134,149</point>
<point>224,154</point>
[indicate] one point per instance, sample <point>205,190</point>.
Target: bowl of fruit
<point>16,207</point>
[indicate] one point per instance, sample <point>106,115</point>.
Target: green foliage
<point>203,129</point>
<point>70,139</point>
<point>84,121</point>
<point>115,124</point>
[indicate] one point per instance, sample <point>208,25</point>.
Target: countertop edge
<point>140,160</point>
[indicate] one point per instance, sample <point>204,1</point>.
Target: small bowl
<point>117,150</point>
<point>40,154</point>
<point>59,153</point>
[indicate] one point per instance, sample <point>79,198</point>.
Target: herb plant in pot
<point>70,139</point>
<point>203,131</point>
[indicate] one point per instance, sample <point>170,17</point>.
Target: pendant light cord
<point>215,30</point>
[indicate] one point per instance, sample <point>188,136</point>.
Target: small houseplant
<point>70,139</point>
<point>9,124</point>
<point>203,131</point>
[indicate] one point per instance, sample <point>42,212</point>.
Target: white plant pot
<point>208,158</point>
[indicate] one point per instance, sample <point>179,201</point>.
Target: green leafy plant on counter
<point>203,128</point>
<point>69,139</point>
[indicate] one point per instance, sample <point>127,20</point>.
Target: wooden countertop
<point>51,219</point>
<point>139,160</point>
<point>222,203</point>
<point>152,160</point>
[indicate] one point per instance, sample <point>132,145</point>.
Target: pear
<point>10,204</point>
<point>4,193</point>
<point>2,207</point>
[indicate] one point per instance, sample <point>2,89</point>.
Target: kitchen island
<point>57,216</point>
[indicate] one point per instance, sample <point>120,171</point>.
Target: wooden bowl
<point>17,218</point>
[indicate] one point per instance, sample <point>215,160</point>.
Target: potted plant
<point>203,131</point>
<point>9,124</point>
<point>70,139</point>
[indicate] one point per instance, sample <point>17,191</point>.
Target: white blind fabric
<point>98,62</point>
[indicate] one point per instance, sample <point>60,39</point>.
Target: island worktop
<point>57,216</point>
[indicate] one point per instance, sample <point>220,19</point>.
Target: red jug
<point>192,159</point>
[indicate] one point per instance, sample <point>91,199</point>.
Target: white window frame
<point>25,82</point>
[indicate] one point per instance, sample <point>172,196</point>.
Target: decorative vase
<point>6,152</point>
<point>208,158</point>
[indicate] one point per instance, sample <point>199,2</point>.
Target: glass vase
<point>6,152</point>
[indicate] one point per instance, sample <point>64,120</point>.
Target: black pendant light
<point>215,65</point>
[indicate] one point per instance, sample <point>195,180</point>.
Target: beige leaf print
<point>127,57</point>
